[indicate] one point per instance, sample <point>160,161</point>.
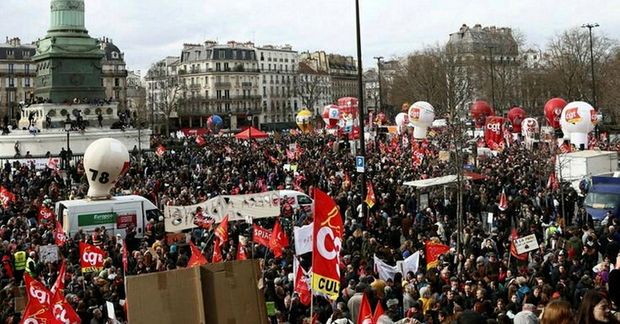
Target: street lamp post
<point>379,58</point>
<point>249,117</point>
<point>589,27</point>
<point>594,103</point>
<point>68,131</point>
<point>360,107</point>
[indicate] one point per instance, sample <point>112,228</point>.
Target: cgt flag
<point>221,232</point>
<point>326,245</point>
<point>503,201</point>
<point>38,309</point>
<point>59,235</point>
<point>365,312</point>
<point>91,258</point>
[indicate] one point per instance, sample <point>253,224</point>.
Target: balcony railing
<point>222,84</point>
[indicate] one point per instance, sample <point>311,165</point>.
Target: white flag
<point>385,270</point>
<point>411,263</point>
<point>303,239</point>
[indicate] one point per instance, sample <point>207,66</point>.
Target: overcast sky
<point>148,30</point>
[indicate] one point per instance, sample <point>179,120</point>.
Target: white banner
<point>237,207</point>
<point>385,270</point>
<point>411,263</point>
<point>303,239</point>
<point>526,243</point>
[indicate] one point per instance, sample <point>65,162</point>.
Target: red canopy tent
<point>255,133</point>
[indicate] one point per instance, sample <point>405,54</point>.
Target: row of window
<point>11,82</point>
<point>25,54</point>
<point>285,60</point>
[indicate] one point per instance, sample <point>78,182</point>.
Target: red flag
<point>197,258</point>
<point>326,245</point>
<point>261,235</point>
<point>125,259</point>
<point>38,309</point>
<point>503,201</point>
<point>278,240</point>
<point>493,132</point>
<point>6,197</point>
<point>370,195</point>
<point>432,253</point>
<point>200,140</point>
<point>59,235</point>
<point>221,232</point>
<point>553,183</point>
<point>418,156</point>
<point>217,253</point>
<point>61,309</point>
<point>365,312</point>
<point>91,257</point>
<point>160,150</point>
<point>513,247</point>
<point>241,252</point>
<point>378,312</point>
<point>59,284</point>
<point>566,147</point>
<point>45,213</point>
<point>301,285</point>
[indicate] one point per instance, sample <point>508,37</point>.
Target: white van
<point>298,200</point>
<point>116,214</point>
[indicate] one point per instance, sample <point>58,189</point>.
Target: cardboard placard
<point>166,297</point>
<point>526,244</point>
<point>48,253</point>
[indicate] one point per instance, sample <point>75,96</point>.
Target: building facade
<point>136,97</point>
<point>341,69</point>
<point>220,79</point>
<point>278,79</point>
<point>114,72</point>
<point>17,73</point>
<point>488,59</point>
<point>314,87</point>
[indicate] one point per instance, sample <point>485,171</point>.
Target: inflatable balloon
<point>214,122</point>
<point>304,120</point>
<point>529,128</point>
<point>104,161</point>
<point>402,120</point>
<point>479,112</point>
<point>421,115</point>
<point>516,115</point>
<point>331,116</point>
<point>578,118</point>
<point>553,110</point>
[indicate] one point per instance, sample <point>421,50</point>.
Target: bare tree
<point>568,63</point>
<point>309,88</point>
<point>168,91</point>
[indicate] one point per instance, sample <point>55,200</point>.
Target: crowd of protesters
<point>570,278</point>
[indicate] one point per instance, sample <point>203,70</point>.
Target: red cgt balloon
<point>479,111</point>
<point>553,110</point>
<point>516,115</point>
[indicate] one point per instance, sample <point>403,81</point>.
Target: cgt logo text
<point>414,114</point>
<point>92,258</point>
<point>495,127</point>
<point>40,295</point>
